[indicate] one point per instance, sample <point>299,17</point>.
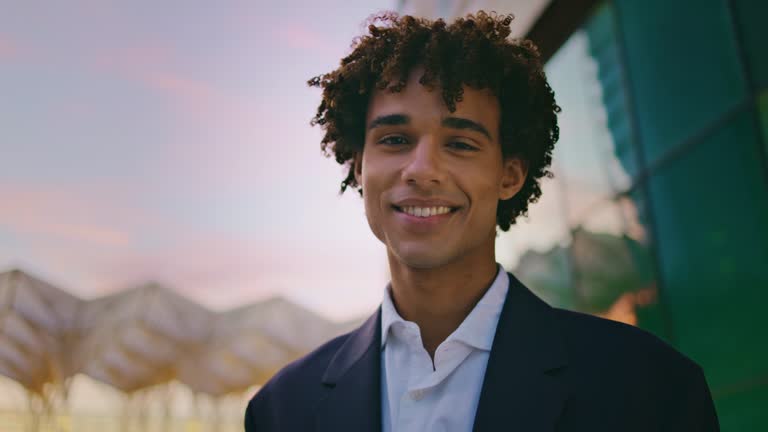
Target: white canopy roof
<point>148,335</point>
<point>36,330</point>
<point>251,343</point>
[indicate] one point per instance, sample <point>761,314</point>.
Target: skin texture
<point>424,73</point>
<point>440,268</point>
<point>473,51</point>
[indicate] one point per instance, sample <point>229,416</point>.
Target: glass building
<point>658,212</point>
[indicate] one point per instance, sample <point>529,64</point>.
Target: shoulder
<point>294,388</point>
<point>588,336</point>
<point>306,369</point>
<point>618,367</point>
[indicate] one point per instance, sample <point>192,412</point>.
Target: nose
<point>423,167</point>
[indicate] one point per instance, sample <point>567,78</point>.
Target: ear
<point>358,168</point>
<point>514,173</point>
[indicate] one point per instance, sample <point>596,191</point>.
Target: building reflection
<point>597,257</point>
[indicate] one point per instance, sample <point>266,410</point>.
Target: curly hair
<point>473,51</point>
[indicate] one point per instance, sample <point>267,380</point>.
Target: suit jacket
<point>549,370</point>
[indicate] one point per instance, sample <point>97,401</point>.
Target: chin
<point>420,258</point>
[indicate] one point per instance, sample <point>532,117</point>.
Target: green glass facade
<point>677,227</point>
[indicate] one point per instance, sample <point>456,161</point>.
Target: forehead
<point>422,104</point>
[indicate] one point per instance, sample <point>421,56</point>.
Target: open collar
<point>520,387</point>
<point>478,328</point>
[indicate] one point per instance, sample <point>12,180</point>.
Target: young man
<point>447,131</point>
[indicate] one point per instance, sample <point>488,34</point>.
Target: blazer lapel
<point>353,383</point>
<point>521,388</point>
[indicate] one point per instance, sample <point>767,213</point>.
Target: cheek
<point>485,198</point>
<point>372,200</point>
<point>376,177</point>
<point>483,184</point>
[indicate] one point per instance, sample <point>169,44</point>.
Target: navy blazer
<point>549,370</point>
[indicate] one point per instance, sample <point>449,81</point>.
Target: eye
<point>393,140</point>
<point>461,145</point>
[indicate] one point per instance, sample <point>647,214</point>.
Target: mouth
<point>425,212</point>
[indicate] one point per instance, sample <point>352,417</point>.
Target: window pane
<point>532,248</point>
<point>750,17</point>
<point>604,48</point>
<point>744,410</point>
<point>763,112</point>
<point>584,158</point>
<point>649,308</point>
<point>710,209</point>
<point>613,271</point>
<point>685,72</point>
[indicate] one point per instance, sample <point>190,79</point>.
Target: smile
<point>425,212</point>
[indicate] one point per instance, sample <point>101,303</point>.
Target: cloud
<point>223,272</point>
<point>205,114</point>
<point>85,238</point>
<point>155,68</point>
<point>99,239</point>
<point>74,214</point>
<point>8,48</point>
<point>303,38</point>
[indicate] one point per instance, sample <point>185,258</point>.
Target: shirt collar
<point>389,314</point>
<point>477,329</point>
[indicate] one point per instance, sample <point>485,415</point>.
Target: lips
<point>420,215</point>
<point>425,211</point>
<point>421,202</point>
<point>424,207</point>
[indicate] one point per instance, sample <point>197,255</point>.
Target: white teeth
<point>425,211</point>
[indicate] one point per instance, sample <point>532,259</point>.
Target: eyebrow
<point>463,123</point>
<point>389,120</point>
<point>451,122</point>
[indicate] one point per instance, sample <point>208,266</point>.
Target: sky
<point>170,141</point>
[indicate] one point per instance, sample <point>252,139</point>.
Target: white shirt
<point>416,397</point>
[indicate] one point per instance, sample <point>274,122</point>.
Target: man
<point>447,131</point>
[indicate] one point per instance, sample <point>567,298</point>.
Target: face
<point>432,178</point>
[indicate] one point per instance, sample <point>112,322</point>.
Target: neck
<point>439,299</point>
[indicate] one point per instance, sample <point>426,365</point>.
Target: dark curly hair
<point>474,51</point>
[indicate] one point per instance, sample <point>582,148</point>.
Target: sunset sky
<point>170,141</point>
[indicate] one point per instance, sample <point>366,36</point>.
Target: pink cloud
<point>94,234</point>
<point>238,121</point>
<point>154,67</point>
<point>89,245</point>
<point>303,38</point>
<point>180,86</point>
<point>8,48</point>
<point>77,214</point>
<point>227,271</point>
<point>220,274</point>
<point>204,108</point>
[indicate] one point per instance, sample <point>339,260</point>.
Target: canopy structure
<point>37,331</point>
<point>148,335</point>
<point>134,339</point>
<point>251,343</point>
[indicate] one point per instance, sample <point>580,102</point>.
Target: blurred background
<point>170,235</point>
